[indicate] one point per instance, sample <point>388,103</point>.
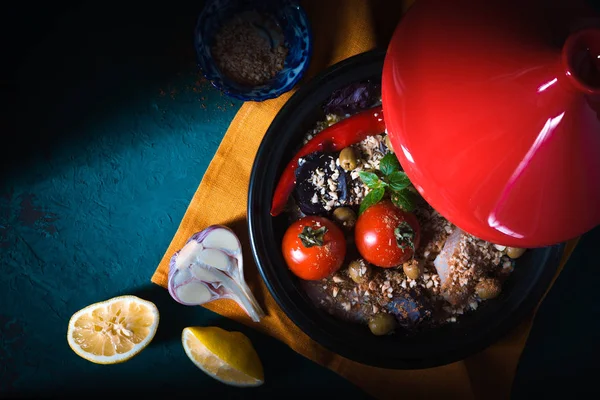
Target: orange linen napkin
<point>341,28</point>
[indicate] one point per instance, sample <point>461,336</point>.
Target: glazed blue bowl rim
<point>275,91</point>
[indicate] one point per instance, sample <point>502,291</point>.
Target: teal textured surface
<point>113,138</point>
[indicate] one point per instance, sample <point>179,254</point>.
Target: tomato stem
<point>405,236</point>
<point>313,235</point>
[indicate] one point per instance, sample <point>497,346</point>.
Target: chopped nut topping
<point>358,299</point>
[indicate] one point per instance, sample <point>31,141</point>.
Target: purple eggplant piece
<point>352,98</point>
<point>410,308</point>
<point>383,149</point>
<point>305,190</point>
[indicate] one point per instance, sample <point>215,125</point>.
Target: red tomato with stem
<point>313,247</point>
<point>385,235</point>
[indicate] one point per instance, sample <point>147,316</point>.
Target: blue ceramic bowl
<point>297,38</point>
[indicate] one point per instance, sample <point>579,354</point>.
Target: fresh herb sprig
<point>390,180</point>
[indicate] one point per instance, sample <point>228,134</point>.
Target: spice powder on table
<point>245,55</point>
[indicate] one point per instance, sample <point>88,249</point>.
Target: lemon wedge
<point>229,357</point>
<point>113,331</point>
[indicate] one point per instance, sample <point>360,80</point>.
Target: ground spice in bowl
<point>249,48</point>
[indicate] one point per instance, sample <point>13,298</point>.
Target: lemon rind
<point>187,331</point>
<point>120,358</point>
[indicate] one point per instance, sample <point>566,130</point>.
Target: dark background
<point>106,132</point>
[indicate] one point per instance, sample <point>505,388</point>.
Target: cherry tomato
<point>385,235</point>
<point>314,247</point>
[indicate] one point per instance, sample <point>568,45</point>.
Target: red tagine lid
<point>493,109</point>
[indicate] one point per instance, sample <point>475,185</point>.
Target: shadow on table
<point>71,69</point>
<point>563,351</point>
<point>387,14</point>
<point>164,369</point>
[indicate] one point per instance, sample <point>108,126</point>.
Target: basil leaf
<point>405,199</point>
<point>372,198</point>
<point>388,164</point>
<point>371,180</point>
<point>398,181</point>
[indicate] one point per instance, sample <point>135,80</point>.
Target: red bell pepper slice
<point>338,136</point>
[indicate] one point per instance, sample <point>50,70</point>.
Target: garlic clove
<point>209,267</point>
<point>224,240</point>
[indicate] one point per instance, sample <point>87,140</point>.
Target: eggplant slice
<point>317,199</point>
<point>410,308</point>
<point>353,98</point>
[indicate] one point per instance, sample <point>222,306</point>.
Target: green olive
<point>514,252</point>
<point>382,324</point>
<point>358,271</point>
<point>412,270</point>
<point>345,216</point>
<point>348,159</point>
<point>388,143</point>
<point>488,288</point>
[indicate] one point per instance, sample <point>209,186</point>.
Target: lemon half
<point>113,331</point>
<point>226,356</point>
